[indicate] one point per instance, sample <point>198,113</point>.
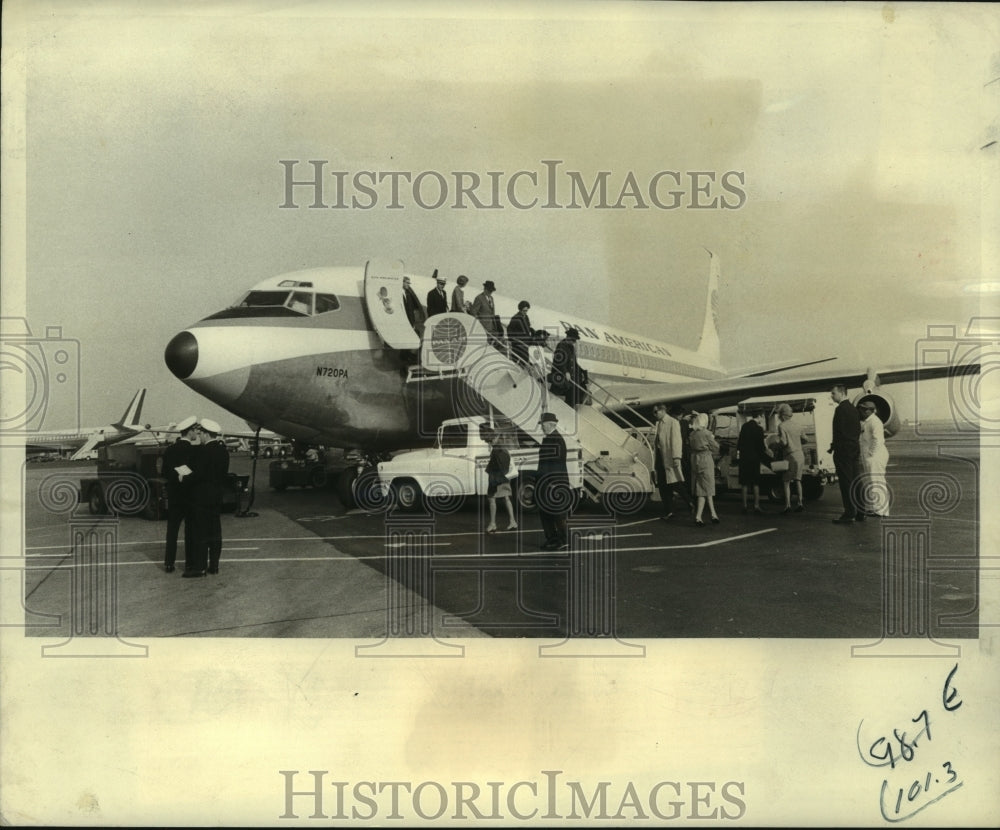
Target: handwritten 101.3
<point>900,803</point>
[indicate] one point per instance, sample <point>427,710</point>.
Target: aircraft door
<point>384,298</point>
<point>630,362</point>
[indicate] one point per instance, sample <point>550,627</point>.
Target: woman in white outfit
<point>874,458</point>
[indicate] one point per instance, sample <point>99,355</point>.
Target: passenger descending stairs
<point>616,462</point>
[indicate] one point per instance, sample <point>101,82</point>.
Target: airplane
<point>84,441</point>
<point>327,356</point>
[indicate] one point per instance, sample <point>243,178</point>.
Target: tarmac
<point>304,566</point>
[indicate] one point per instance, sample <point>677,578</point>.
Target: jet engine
<point>885,407</point>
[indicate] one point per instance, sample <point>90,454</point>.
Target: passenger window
<point>326,302</point>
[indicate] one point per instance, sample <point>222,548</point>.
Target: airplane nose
<point>181,355</point>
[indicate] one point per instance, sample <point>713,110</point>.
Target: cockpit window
<point>279,304</point>
<point>326,302</point>
<point>263,298</point>
<point>301,302</point>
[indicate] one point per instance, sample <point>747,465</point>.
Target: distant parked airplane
<point>85,440</point>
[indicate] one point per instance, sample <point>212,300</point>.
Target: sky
<point>851,137</point>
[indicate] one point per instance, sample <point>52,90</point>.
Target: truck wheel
<point>407,494</point>
<point>369,494</point>
<point>525,492</point>
<point>345,487</point>
<point>812,488</point>
<point>96,502</point>
<point>317,477</point>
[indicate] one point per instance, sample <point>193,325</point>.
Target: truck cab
<point>444,475</point>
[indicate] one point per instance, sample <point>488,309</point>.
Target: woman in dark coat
<point>751,452</point>
<point>568,378</point>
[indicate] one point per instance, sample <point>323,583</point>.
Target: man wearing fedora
<point>211,473</point>
<point>484,310</point>
<point>177,466</point>
<point>552,491</point>
<point>437,297</point>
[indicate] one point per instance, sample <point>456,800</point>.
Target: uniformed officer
<point>437,297</point>
<point>177,465</point>
<point>211,474</point>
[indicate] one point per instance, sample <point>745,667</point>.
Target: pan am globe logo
<point>448,341</point>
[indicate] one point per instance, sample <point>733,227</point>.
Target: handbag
<point>512,471</point>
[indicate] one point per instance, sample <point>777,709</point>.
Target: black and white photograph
<point>573,413</point>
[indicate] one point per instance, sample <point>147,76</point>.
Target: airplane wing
<point>759,371</point>
<point>713,394</point>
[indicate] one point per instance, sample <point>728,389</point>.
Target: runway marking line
<point>478,555</point>
<point>180,544</point>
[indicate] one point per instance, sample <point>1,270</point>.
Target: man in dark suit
<point>178,458</point>
<point>437,299</point>
<point>552,490</point>
<point>414,310</point>
<point>211,475</point>
<point>846,449</point>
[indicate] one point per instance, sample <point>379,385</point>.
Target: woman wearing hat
<point>790,436</point>
<point>874,459</point>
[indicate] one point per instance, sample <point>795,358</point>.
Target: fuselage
<point>299,355</point>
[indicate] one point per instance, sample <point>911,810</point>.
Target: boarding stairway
<point>616,461</point>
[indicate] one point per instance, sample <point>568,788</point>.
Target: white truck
<point>443,476</point>
<point>814,413</point>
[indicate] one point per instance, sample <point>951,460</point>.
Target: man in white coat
<point>668,451</point>
<point>874,458</point>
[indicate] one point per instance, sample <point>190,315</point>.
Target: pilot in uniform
<point>177,455</point>
<point>211,474</point>
<point>437,299</point>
